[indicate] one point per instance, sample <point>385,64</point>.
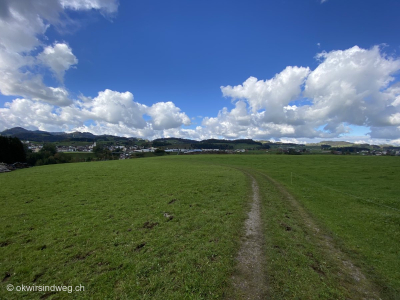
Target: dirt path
<point>249,280</point>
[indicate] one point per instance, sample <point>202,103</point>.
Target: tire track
<point>353,279</point>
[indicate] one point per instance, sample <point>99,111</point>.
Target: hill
<point>50,137</point>
<point>172,142</point>
<point>148,228</point>
<point>333,144</point>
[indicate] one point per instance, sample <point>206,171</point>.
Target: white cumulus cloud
<point>23,24</point>
<point>114,108</point>
<point>269,94</point>
<point>166,115</point>
<point>31,115</point>
<point>110,112</point>
<point>107,6</point>
<point>59,58</point>
<point>354,86</point>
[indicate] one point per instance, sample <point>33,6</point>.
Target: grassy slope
<point>86,224</point>
<point>336,191</point>
<point>178,259</point>
<point>296,267</point>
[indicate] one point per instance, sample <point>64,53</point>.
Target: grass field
<point>102,225</point>
<point>354,199</point>
<point>81,155</point>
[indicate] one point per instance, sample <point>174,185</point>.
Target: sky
<point>281,70</point>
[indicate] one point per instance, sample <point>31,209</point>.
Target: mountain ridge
<point>45,136</point>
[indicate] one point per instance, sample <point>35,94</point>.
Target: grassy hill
<point>104,226</point>
<point>333,143</point>
<point>169,227</point>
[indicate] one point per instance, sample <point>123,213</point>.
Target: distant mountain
<point>333,144</point>
<point>32,135</point>
<point>240,141</point>
<point>78,134</point>
<point>15,130</point>
<point>173,141</point>
<point>48,137</point>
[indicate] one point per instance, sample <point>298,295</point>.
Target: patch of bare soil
<point>172,201</point>
<point>140,246</point>
<point>353,279</point>
<point>149,225</point>
<point>249,280</point>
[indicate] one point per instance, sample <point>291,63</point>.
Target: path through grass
<point>169,227</point>
<point>337,192</point>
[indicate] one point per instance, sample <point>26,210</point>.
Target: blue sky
<point>201,69</point>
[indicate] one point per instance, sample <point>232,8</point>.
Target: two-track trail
<point>250,281</point>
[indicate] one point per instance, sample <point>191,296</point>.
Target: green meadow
<point>170,227</point>
<point>353,199</point>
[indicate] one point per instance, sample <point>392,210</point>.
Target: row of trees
<point>48,155</point>
<point>102,153</point>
